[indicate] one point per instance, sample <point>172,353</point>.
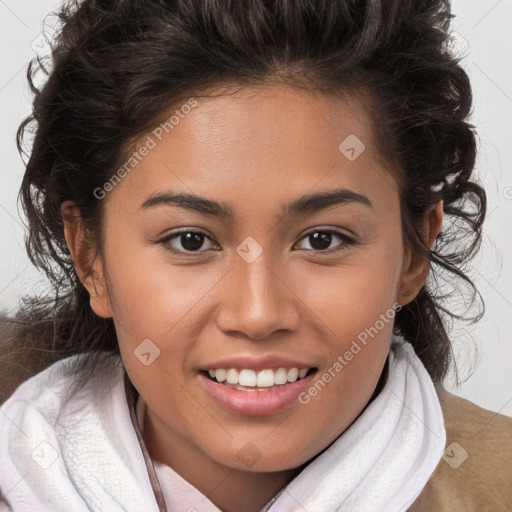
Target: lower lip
<point>255,403</point>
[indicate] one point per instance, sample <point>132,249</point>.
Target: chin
<point>250,458</point>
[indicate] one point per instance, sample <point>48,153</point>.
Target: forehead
<point>252,144</point>
<point>267,119</point>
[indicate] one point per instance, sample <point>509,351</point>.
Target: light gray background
<point>483,35</point>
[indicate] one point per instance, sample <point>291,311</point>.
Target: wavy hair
<point>118,65</point>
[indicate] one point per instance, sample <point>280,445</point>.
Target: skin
<point>254,150</point>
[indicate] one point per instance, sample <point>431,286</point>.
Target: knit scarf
<point>82,453</point>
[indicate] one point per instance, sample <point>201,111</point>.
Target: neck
<point>231,490</point>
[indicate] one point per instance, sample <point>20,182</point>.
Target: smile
<point>250,380</point>
<point>256,393</point>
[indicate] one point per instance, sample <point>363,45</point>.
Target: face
<point>284,251</point>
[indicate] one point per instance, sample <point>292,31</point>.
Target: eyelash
<point>342,237</point>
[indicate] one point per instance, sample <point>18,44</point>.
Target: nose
<point>257,301</point>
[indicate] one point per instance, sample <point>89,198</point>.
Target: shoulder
<point>58,383</point>
<point>54,432</point>
<point>55,395</point>
<point>475,472</point>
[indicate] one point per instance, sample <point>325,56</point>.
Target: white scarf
<point>83,454</point>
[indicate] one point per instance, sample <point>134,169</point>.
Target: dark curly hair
<point>117,66</point>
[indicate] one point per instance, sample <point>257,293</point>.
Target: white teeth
<point>247,378</point>
<point>220,375</point>
<point>280,376</point>
<point>265,379</point>
<point>232,376</point>
<point>293,374</point>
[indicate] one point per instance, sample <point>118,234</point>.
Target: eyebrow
<point>305,204</point>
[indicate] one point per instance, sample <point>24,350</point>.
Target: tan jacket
<point>475,473</point>
<point>482,482</point>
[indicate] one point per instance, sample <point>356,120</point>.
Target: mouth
<point>258,392</point>
<point>269,379</point>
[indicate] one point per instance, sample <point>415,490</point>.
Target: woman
<point>239,205</point>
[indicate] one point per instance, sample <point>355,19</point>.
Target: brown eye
<point>321,240</point>
<point>191,241</point>
<point>187,242</point>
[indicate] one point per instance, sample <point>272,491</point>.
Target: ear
<point>416,266</point>
<point>88,264</point>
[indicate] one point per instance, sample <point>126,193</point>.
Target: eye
<point>186,241</point>
<point>321,240</point>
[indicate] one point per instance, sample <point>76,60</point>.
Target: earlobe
<point>88,264</point>
<point>417,265</point>
<point>99,298</point>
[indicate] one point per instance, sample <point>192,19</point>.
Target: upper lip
<point>257,363</point>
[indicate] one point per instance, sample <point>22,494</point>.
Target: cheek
<point>150,297</point>
<point>352,296</point>
<point>354,304</point>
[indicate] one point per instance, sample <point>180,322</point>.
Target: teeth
<point>280,377</point>
<point>220,375</point>
<point>293,374</point>
<point>262,379</point>
<point>232,376</point>
<point>265,379</point>
<point>246,378</point>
